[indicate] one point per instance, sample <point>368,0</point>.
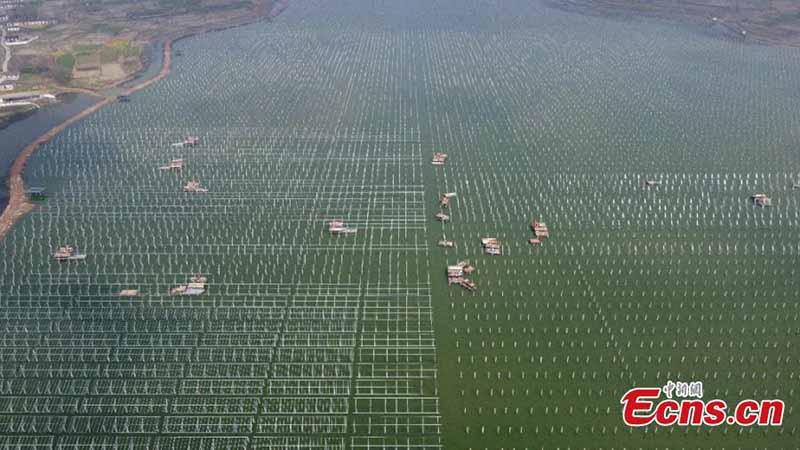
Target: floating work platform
<point>129,293</point>
<point>68,253</point>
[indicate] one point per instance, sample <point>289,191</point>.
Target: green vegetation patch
<point>108,28</point>
<point>114,50</point>
<point>85,49</point>
<point>66,60</point>
<point>86,59</point>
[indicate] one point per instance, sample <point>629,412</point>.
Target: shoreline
<point>699,16</point>
<point>18,205</point>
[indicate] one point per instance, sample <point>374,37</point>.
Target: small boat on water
<point>129,293</point>
<point>194,186</point>
<point>652,183</point>
<point>175,164</point>
<point>466,266</point>
<point>538,226</point>
<point>446,244</point>
<point>189,141</point>
<point>338,227</point>
<point>456,275</point>
<point>36,193</point>
<point>540,231</point>
<point>439,159</point>
<point>442,217</point>
<point>468,284</point>
<point>444,199</point>
<point>68,253</point>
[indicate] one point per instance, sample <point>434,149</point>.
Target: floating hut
<point>538,226</point>
<point>129,293</point>
<point>540,231</point>
<point>196,286</point>
<point>175,164</point>
<point>189,141</point>
<point>36,193</point>
<point>338,227</point>
<point>491,246</point>
<point>456,273</point>
<point>466,266</point>
<point>761,200</point>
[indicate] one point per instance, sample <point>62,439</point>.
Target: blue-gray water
<point>20,133</point>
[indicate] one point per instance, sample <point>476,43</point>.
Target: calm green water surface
<point>307,340</point>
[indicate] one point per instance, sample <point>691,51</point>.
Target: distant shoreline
<point>748,28</point>
<point>18,206</point>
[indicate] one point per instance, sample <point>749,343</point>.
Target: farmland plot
<point>307,339</point>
